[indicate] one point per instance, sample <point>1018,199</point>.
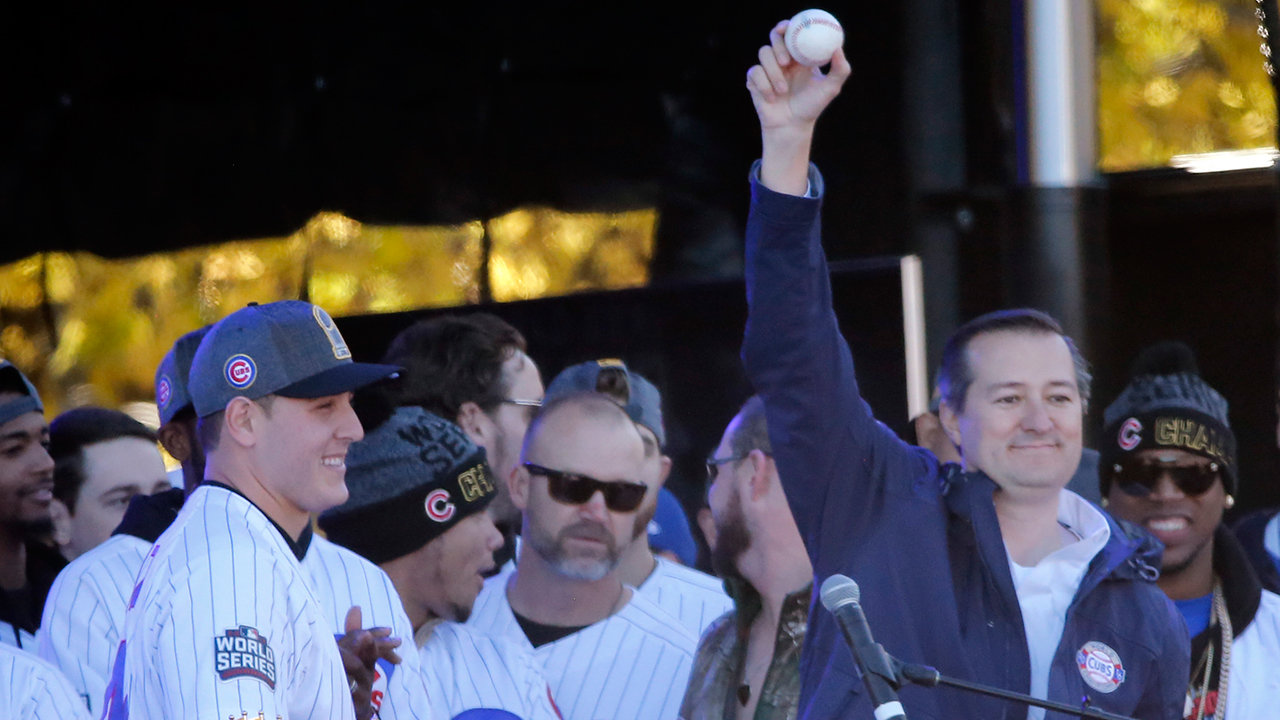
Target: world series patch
<point>1100,667</point>
<point>242,652</point>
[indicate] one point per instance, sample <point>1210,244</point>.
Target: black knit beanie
<point>410,480</point>
<point>1167,405</point>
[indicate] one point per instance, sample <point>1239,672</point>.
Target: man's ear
<point>175,440</point>
<point>519,483</point>
<point>758,485</point>
<point>241,421</point>
<point>950,423</point>
<point>666,471</point>
<point>61,518</point>
<point>475,422</point>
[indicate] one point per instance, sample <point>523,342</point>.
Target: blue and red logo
<point>243,653</point>
<point>438,506</point>
<point>241,371</point>
<point>1100,667</point>
<point>1130,434</point>
<point>164,391</point>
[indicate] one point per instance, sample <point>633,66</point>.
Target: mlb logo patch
<point>1100,667</point>
<point>243,653</point>
<point>241,371</point>
<point>164,391</point>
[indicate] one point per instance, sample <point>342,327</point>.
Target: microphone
<point>840,596</point>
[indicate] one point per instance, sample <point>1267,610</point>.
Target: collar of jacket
<point>1241,588</point>
<point>1130,554</point>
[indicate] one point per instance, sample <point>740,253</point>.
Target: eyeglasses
<point>1140,479</point>
<point>575,489</point>
<point>714,463</point>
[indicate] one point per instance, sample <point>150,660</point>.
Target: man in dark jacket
<point>991,571</point>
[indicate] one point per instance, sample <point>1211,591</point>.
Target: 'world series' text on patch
<point>242,652</point>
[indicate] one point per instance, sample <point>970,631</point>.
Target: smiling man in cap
<point>223,618</point>
<point>27,567</point>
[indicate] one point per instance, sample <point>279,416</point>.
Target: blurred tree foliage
<point>1178,77</point>
<point>88,330</point>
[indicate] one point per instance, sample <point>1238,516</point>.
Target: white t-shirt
<point>1046,590</point>
<point>694,598</point>
<point>633,665</point>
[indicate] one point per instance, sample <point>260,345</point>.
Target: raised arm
<point>832,455</point>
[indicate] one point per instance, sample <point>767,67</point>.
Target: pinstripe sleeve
<point>84,616</point>
<point>32,689</point>
<point>226,646</point>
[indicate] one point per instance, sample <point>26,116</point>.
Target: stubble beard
<point>555,554</point>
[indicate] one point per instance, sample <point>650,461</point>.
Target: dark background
<point>128,130</point>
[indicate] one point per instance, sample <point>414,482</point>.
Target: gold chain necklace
<point>1219,617</point>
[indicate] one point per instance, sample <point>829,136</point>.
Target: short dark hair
<point>752,432</point>
<point>209,427</point>
<point>954,374</point>
<point>453,359</point>
<point>74,430</point>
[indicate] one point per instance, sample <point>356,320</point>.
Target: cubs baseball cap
<point>171,376</point>
<point>410,480</point>
<point>642,400</point>
<point>288,348</point>
<point>12,380</point>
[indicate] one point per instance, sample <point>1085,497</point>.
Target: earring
<point>1105,502</point>
<point>1231,502</point>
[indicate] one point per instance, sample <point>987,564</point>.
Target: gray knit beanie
<point>410,480</point>
<point>1167,405</point>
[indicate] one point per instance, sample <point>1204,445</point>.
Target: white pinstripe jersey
<point>467,669</point>
<point>341,579</point>
<point>633,665</point>
<point>694,598</point>
<point>223,622</point>
<point>32,689</point>
<point>84,614</point>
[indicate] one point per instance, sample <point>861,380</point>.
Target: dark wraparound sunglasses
<point>574,489</point>
<point>1140,479</point>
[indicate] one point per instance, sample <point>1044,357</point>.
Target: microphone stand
<point>898,674</point>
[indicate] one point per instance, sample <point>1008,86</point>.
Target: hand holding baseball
<point>788,94</point>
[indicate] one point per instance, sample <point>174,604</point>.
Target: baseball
<point>813,36</point>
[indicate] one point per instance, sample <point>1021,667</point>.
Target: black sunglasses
<point>574,489</point>
<point>1139,478</point>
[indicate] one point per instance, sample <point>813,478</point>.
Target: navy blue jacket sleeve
<point>838,465</point>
